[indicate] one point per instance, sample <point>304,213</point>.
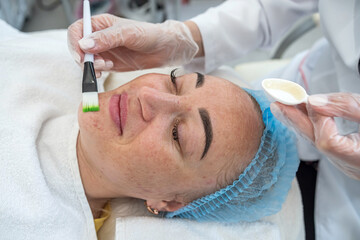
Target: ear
<point>167,206</point>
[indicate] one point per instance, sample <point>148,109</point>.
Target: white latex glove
<point>122,45</point>
<point>315,121</point>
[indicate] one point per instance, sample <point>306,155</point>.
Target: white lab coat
<point>236,27</point>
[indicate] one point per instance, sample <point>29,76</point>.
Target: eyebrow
<point>207,128</point>
<point>200,80</point>
<point>205,118</point>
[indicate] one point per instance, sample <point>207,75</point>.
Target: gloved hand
<point>316,123</point>
<point>122,45</point>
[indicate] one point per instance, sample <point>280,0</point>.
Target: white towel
<point>41,192</point>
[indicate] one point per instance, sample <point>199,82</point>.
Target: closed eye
<point>175,133</point>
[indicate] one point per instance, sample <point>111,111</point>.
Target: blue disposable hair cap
<point>262,187</point>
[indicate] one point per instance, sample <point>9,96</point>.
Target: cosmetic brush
<point>90,96</point>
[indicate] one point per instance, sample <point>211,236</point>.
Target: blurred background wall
<point>38,15</point>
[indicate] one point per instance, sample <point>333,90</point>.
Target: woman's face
<point>163,138</point>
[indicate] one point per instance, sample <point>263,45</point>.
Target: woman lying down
<point>191,146</point>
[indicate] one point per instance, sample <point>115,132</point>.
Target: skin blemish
<point>208,181</point>
<point>97,126</point>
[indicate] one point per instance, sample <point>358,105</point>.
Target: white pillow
<point>131,221</point>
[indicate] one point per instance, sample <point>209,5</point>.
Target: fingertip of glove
<point>109,64</point>
<point>278,113</point>
<point>87,43</point>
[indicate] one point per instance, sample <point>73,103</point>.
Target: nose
<point>154,102</point>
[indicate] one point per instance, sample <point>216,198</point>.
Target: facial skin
<point>146,161</point>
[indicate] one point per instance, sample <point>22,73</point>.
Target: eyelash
<point>175,133</point>
<point>173,78</point>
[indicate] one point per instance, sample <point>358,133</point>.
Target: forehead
<point>235,121</point>
<point>229,108</point>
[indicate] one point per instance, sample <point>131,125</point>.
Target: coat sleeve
<point>342,31</point>
<point>236,27</point>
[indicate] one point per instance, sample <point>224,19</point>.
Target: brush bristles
<point>90,102</point>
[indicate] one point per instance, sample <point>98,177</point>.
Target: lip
<point>118,110</point>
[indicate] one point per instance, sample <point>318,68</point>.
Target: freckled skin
<point>145,162</point>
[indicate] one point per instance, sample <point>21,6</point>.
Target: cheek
<point>94,122</point>
<point>154,154</point>
<point>90,126</point>
<point>151,162</point>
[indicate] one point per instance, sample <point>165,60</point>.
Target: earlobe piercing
<point>151,210</point>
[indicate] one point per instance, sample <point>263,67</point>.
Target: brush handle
<point>87,28</point>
